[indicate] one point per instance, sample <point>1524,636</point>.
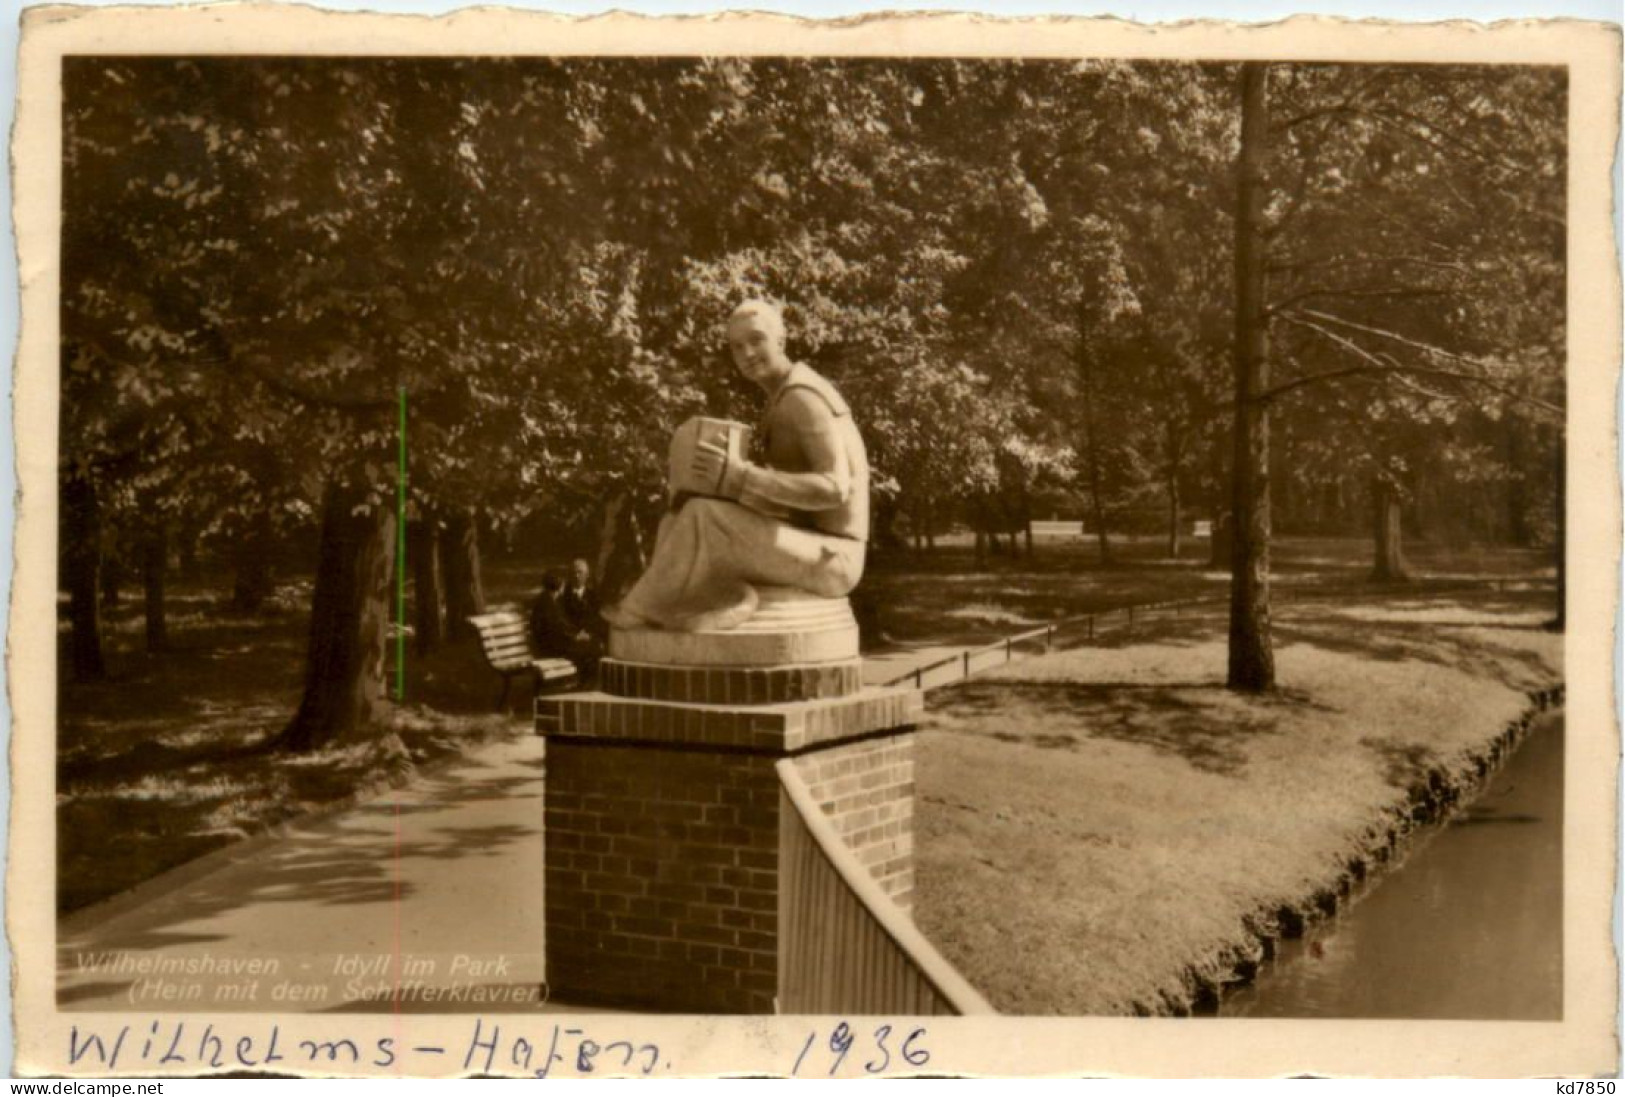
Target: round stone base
<point>736,685</point>
<point>789,626</point>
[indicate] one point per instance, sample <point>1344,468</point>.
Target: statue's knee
<point>705,508</point>
<point>834,575</point>
<point>693,516</point>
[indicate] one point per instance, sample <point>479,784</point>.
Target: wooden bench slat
<point>501,643</point>
<point>506,643</point>
<point>515,627</point>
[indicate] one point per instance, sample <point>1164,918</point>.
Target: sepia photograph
<point>874,536</point>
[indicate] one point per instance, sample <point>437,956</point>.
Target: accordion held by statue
<point>734,438</point>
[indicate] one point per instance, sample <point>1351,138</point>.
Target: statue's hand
<point>708,462</point>
<point>711,465</point>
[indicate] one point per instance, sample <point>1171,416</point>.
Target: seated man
<point>555,635</point>
<point>579,601</point>
<point>548,628</point>
<point>799,519</point>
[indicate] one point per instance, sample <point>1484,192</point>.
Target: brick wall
<point>867,790</point>
<point>662,877</point>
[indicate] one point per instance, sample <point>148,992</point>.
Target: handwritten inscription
<point>882,1050</point>
<point>505,1048</point>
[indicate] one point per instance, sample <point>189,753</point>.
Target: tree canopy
<point>1020,271</point>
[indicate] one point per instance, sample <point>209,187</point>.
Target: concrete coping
<point>774,729</point>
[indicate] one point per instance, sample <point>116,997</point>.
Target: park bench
<point>505,640</point>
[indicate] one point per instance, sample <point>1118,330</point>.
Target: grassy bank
<point>1106,830</point>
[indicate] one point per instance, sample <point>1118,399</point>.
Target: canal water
<point>1468,927</point>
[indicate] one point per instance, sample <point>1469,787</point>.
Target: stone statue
<point>798,519</point>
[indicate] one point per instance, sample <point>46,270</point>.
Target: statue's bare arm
<point>826,483</point>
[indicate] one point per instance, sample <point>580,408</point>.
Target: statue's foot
<point>621,617</point>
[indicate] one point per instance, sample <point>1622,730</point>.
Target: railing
<point>844,946</point>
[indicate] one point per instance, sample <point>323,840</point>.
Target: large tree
<point>1399,229</point>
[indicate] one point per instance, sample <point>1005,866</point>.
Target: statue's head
<point>756,341</point>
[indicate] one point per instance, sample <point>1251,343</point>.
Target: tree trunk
<point>1560,622</point>
<point>112,578</point>
<point>428,592</point>
<point>186,551</point>
<point>460,564</point>
<point>154,562</point>
<point>1018,524</point>
<point>1174,452</point>
<point>1389,565</point>
<point>1174,516</point>
<point>1102,535</point>
<point>254,578</point>
<point>349,625</point>
<point>1252,659</point>
<point>1091,452</point>
<point>82,558</point>
<point>1517,494</point>
<point>621,559</point>
<point>1218,548</point>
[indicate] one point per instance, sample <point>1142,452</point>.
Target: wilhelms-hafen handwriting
<point>488,1050</point>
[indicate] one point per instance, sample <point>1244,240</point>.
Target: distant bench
<point>505,640</point>
<point>1073,527</point>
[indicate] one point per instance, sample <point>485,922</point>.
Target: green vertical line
<point>400,561</point>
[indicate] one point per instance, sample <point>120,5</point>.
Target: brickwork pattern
<point>662,878</point>
<point>732,685</point>
<point>866,789</point>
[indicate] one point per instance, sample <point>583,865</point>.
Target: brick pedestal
<point>663,810</point>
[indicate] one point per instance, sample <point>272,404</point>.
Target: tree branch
<point>1344,107</point>
<point>1370,260</point>
<point>1386,365</point>
<point>1414,344</point>
<point>1355,293</point>
<point>1395,114</point>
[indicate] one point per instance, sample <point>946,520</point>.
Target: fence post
<point>966,656</point>
<point>1049,638</point>
<point>919,676</point>
<point>1007,649</point>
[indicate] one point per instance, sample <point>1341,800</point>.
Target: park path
<point>437,886</point>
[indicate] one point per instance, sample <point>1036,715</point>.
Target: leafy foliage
<point>1018,271</point>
